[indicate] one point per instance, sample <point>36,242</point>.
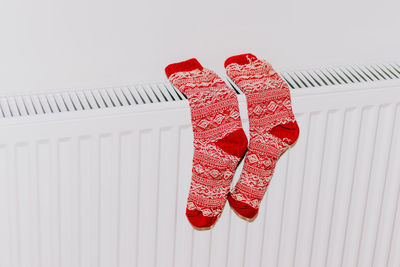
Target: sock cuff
<point>240,59</point>
<point>187,65</point>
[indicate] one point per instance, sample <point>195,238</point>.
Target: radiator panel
<point>108,187</point>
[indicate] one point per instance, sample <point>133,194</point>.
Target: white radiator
<point>100,178</point>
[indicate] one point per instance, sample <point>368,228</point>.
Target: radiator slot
<point>21,106</point>
<point>91,100</point>
<point>394,74</point>
<point>299,79</point>
<point>143,95</point>
<point>307,79</point>
<point>29,105</point>
<point>60,103</point>
<point>167,95</point>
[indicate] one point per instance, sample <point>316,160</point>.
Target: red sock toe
<point>242,209</point>
<point>198,220</point>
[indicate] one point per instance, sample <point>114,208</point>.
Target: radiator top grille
<point>91,99</point>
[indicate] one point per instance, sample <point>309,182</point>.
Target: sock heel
<point>234,143</point>
<point>288,131</point>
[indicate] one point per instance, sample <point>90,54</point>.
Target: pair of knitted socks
<point>219,140</point>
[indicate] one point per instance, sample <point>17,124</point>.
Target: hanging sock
<point>273,129</point>
<point>219,140</point>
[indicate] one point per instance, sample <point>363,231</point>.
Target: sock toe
<point>198,220</point>
<point>241,208</point>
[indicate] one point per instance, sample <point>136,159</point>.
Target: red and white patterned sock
<point>219,140</point>
<point>273,128</point>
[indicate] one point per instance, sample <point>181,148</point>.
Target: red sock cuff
<point>188,65</point>
<point>240,59</point>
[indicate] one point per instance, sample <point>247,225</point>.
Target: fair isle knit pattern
<point>269,105</point>
<point>215,116</point>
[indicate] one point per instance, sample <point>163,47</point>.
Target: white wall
<point>48,44</point>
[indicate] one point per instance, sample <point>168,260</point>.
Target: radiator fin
<point>147,93</point>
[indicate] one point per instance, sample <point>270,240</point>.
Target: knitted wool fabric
<point>219,140</point>
<point>273,128</point>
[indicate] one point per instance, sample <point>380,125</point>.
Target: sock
<point>273,128</point>
<point>219,140</point>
